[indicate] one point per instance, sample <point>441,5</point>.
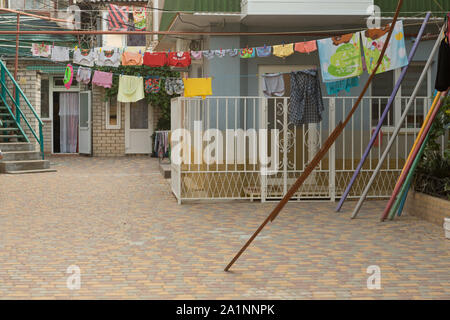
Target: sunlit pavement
<point>117,221</point>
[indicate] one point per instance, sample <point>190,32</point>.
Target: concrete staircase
<point>19,156</point>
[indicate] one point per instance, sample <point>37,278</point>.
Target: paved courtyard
<point>117,220</point>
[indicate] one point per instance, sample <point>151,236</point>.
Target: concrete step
<point>31,171</point>
<point>11,136</point>
<point>8,121</point>
<point>21,155</point>
<point>22,165</point>
<point>16,146</point>
<point>165,170</point>
<point>4,130</point>
<point>5,114</point>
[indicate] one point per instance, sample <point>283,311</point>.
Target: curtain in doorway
<point>68,115</point>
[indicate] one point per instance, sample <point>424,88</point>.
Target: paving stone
<point>116,219</point>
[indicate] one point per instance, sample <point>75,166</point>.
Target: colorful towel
<point>117,17</point>
<point>373,41</point>
<point>340,57</point>
<point>152,84</point>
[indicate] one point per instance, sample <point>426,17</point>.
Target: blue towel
<point>334,87</point>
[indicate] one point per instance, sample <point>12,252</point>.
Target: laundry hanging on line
<point>273,85</point>
<point>84,75</point>
<point>340,57</point>
<point>102,79</point>
<point>395,56</point>
<point>60,54</point>
<point>334,87</point>
<point>197,87</point>
<point>131,89</point>
<point>306,104</point>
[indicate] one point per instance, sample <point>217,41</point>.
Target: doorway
<point>70,111</point>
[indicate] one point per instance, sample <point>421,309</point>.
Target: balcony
<point>304,12</point>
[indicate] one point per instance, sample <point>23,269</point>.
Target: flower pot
<point>447,227</point>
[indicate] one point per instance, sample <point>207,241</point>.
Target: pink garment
<point>306,47</point>
<point>102,79</point>
<point>196,55</point>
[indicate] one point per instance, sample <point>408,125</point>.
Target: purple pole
<point>385,112</point>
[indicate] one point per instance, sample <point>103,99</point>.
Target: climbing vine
<point>159,100</point>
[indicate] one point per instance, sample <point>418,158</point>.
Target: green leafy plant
<point>435,163</point>
<point>159,100</point>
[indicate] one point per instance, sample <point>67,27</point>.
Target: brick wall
<point>427,207</point>
<point>30,83</point>
<point>106,142</point>
<point>47,130</point>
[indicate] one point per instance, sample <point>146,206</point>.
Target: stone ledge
<point>427,207</point>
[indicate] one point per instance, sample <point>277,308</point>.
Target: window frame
<point>397,104</point>
<point>49,102</point>
<point>109,126</point>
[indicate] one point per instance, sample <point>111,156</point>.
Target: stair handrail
<point>18,92</point>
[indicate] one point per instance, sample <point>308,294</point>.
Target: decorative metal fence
<point>238,176</point>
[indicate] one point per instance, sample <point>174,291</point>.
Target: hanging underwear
<point>131,59</point>
<point>247,53</point>
<point>283,51</point>
<point>152,84</point>
<point>263,52</point>
<point>220,53</point>
<point>131,89</point>
<point>233,52</point>
<point>102,79</point>
<point>84,75</point>
<point>208,54</point>
<point>155,59</point>
<point>174,86</point>
<point>306,47</point>
<point>179,59</point>
<point>273,84</point>
<point>196,55</point>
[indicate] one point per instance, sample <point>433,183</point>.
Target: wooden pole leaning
<point>328,143</point>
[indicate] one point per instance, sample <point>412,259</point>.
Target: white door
<point>137,129</point>
<point>85,127</point>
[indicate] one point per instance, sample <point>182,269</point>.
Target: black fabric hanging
<point>443,67</point>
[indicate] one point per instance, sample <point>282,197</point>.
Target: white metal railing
<point>296,146</point>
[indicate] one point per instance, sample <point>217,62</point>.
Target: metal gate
<point>296,146</point>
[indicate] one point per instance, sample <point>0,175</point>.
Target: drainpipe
<point>155,19</point>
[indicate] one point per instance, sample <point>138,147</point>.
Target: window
<point>59,82</point>
<point>45,98</point>
<point>113,114</point>
<point>31,4</point>
<point>382,87</point>
<point>139,115</point>
<point>113,40</point>
<point>416,113</point>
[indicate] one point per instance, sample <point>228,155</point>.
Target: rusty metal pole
<point>16,66</point>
